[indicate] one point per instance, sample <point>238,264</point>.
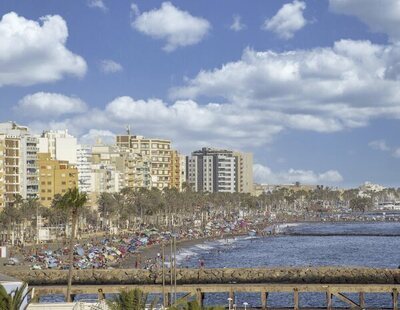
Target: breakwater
<point>312,275</point>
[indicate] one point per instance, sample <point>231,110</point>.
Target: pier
<point>334,282</point>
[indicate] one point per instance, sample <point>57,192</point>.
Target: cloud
<point>178,28</point>
<point>380,16</point>
<point>320,89</point>
<point>263,174</point>
<point>42,105</point>
<point>396,152</point>
<point>94,136</point>
<point>237,24</point>
<point>110,66</point>
<point>288,20</point>
<point>34,52</point>
<point>99,4</point>
<point>379,145</point>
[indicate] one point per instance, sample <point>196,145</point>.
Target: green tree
<point>14,299</point>
<point>130,300</point>
<point>361,204</point>
<point>73,201</point>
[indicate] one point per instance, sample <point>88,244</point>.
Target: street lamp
<point>230,303</point>
<point>245,304</point>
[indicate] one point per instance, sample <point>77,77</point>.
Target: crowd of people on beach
<point>109,251</point>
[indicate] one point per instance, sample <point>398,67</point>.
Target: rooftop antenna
<point>128,130</point>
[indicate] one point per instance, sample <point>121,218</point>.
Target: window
<point>48,183</point>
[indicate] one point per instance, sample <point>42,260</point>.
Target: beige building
<point>158,152</point>
<point>244,172</point>
<point>18,163</point>
<point>55,177</point>
<point>176,170</point>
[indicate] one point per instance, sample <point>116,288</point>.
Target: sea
<point>375,244</point>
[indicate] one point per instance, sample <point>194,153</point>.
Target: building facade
<point>18,163</point>
<point>158,152</point>
<point>60,144</point>
<point>216,170</point>
<point>55,177</point>
<point>83,164</point>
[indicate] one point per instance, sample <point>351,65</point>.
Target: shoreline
<point>150,252</point>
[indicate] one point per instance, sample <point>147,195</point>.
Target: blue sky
<point>312,87</point>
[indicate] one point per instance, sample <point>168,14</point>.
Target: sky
<point>311,87</point>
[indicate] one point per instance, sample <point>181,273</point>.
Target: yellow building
<point>175,170</point>
<point>55,177</point>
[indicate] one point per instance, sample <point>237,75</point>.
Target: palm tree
<point>73,201</point>
<point>15,299</point>
<point>130,300</point>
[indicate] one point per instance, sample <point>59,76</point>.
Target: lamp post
<point>230,303</point>
<point>245,304</point>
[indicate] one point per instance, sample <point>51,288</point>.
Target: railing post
<point>395,298</point>
<point>264,298</point>
<point>362,300</point>
<point>296,298</point>
<point>232,295</point>
<point>329,300</point>
<point>200,297</point>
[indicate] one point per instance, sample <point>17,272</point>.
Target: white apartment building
<point>60,144</point>
<point>83,163</point>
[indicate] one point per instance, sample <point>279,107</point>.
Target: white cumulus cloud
<point>380,16</point>
<point>44,105</point>
<point>110,66</point>
<point>178,28</point>
<point>288,20</point>
<point>34,52</point>
<point>320,89</point>
<point>263,174</point>
<point>237,24</point>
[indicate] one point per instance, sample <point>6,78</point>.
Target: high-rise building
<point>84,161</point>
<point>215,170</point>
<point>244,172</point>
<point>60,144</point>
<point>55,177</point>
<point>158,152</point>
<point>212,170</point>
<point>19,163</point>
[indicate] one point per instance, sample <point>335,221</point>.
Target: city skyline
<point>310,87</point>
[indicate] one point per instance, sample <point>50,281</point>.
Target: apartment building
<point>55,177</point>
<point>18,163</point>
<point>83,164</point>
<point>216,170</point>
<point>60,144</point>
<point>158,152</point>
<point>244,172</point>
<point>137,169</point>
<point>107,170</point>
